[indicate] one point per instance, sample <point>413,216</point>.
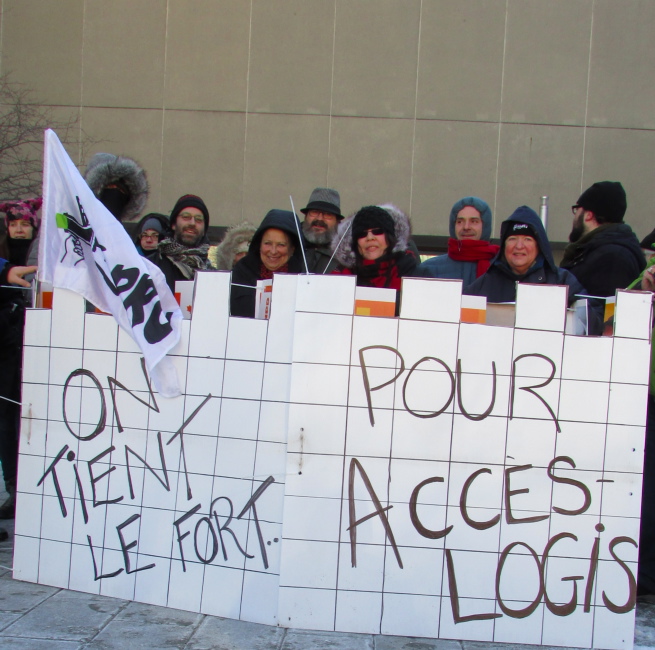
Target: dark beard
<point>196,242</point>
<point>577,231</point>
<point>318,238</point>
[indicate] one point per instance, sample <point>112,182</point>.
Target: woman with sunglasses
<point>372,244</point>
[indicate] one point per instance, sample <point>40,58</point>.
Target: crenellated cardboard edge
<point>537,307</point>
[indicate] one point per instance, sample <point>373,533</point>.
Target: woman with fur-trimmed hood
<point>373,245</point>
<point>119,183</point>
<point>234,246</point>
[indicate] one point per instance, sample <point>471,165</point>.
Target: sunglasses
<point>374,231</point>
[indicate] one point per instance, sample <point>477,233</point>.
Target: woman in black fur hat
<point>376,248</point>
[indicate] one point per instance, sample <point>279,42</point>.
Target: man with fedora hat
<point>604,253</point>
<point>322,216</point>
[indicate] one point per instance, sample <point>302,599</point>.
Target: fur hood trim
<point>343,243</point>
<point>106,168</point>
<point>237,236</point>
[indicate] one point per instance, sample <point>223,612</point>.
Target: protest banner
<point>82,247</point>
<point>418,475</point>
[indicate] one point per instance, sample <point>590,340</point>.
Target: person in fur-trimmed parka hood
<point>119,183</point>
<point>234,246</point>
<point>373,245</point>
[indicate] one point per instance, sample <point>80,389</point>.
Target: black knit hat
<point>517,228</point>
<point>371,216</point>
<point>606,200</point>
<point>190,201</point>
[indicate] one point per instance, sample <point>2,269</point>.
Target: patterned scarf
<point>187,259</point>
<point>385,271</point>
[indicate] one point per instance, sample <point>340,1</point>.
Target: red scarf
<point>267,274</point>
<point>373,273</point>
<point>472,250</point>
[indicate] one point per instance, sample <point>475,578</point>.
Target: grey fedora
<point>326,200</point>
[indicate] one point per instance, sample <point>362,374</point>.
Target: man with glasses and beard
<point>322,216</point>
<point>604,253</point>
<point>185,252</point>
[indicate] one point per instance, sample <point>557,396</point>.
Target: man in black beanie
<point>604,253</point>
<point>180,256</point>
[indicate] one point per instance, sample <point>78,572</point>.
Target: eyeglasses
<point>315,214</point>
<point>575,208</point>
<point>185,216</point>
<point>374,231</point>
<point>154,236</point>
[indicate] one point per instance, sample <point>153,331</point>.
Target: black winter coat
<point>171,272</point>
<point>318,258</point>
<point>606,259</point>
<point>498,284</point>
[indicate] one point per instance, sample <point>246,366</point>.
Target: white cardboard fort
<point>414,476</point>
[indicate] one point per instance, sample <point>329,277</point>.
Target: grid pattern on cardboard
<point>208,452</point>
<point>286,399</point>
<point>597,399</point>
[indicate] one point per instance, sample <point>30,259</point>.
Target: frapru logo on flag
<point>85,249</point>
<point>78,231</point>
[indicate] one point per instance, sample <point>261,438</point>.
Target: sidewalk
<point>35,617</point>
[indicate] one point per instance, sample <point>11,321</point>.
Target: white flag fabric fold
<point>84,248</point>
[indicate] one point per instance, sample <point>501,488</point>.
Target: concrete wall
<point>418,102</point>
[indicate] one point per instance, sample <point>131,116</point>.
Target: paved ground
<point>35,617</point>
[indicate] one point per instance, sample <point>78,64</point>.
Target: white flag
<point>85,249</point>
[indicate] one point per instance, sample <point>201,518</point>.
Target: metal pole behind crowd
<point>543,212</point>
